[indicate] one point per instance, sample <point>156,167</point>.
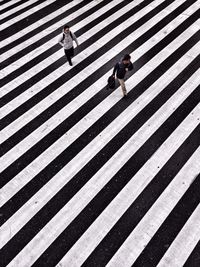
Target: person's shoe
<point>70,63</point>
<point>125,94</point>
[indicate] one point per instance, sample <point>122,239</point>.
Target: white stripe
<point>58,181</point>
<point>26,117</point>
<point>17,151</point>
<point>150,223</point>
<point>114,211</point>
<point>26,14</point>
<point>14,10</point>
<point>185,242</point>
<point>9,4</point>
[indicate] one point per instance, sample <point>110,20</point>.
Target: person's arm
<point>115,69</point>
<point>75,39</point>
<point>130,66</point>
<point>60,40</point>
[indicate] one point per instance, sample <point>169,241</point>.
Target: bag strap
<point>70,35</point>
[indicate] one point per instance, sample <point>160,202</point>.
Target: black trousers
<point>69,54</point>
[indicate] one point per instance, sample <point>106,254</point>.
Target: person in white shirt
<point>66,40</point>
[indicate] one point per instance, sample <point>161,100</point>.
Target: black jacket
<point>120,68</point>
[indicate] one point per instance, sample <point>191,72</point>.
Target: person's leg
<point>122,83</point>
<point>68,57</point>
<point>69,60</point>
<point>71,54</point>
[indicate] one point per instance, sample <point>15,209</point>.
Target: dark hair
<point>66,26</point>
<point>126,57</point>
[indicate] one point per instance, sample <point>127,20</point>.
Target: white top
<point>67,42</point>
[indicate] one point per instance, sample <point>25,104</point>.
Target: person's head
<point>126,59</point>
<point>66,28</point>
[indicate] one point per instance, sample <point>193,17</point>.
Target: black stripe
<point>108,151</point>
<point>52,50</point>
<point>194,258</point>
<point>19,12</point>
<point>79,89</point>
<point>80,224</point>
<point>38,30</point>
<point>6,9</point>
<point>99,203</point>
<point>34,17</point>
<point>168,231</point>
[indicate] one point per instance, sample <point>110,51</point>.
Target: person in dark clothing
<point>66,40</point>
<point>120,70</point>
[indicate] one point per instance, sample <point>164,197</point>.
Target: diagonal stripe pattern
<point>89,178</point>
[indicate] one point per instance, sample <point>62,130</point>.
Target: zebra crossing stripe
<point>82,85</point>
<point>20,8</point>
<point>7,26</point>
<point>34,89</point>
<point>172,225</point>
<point>54,183</point>
<point>143,232</point>
<point>17,151</point>
<point>169,125</point>
<point>186,240</point>
<point>97,205</point>
<point>110,195</point>
<point>47,60</point>
<point>44,105</point>
<point>143,100</point>
<point>32,30</point>
<point>189,43</point>
<point>90,178</point>
<point>12,94</point>
<point>101,33</point>
<point>193,259</point>
<point>102,224</point>
<point>38,49</point>
<point>121,110</point>
<point>7,6</point>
